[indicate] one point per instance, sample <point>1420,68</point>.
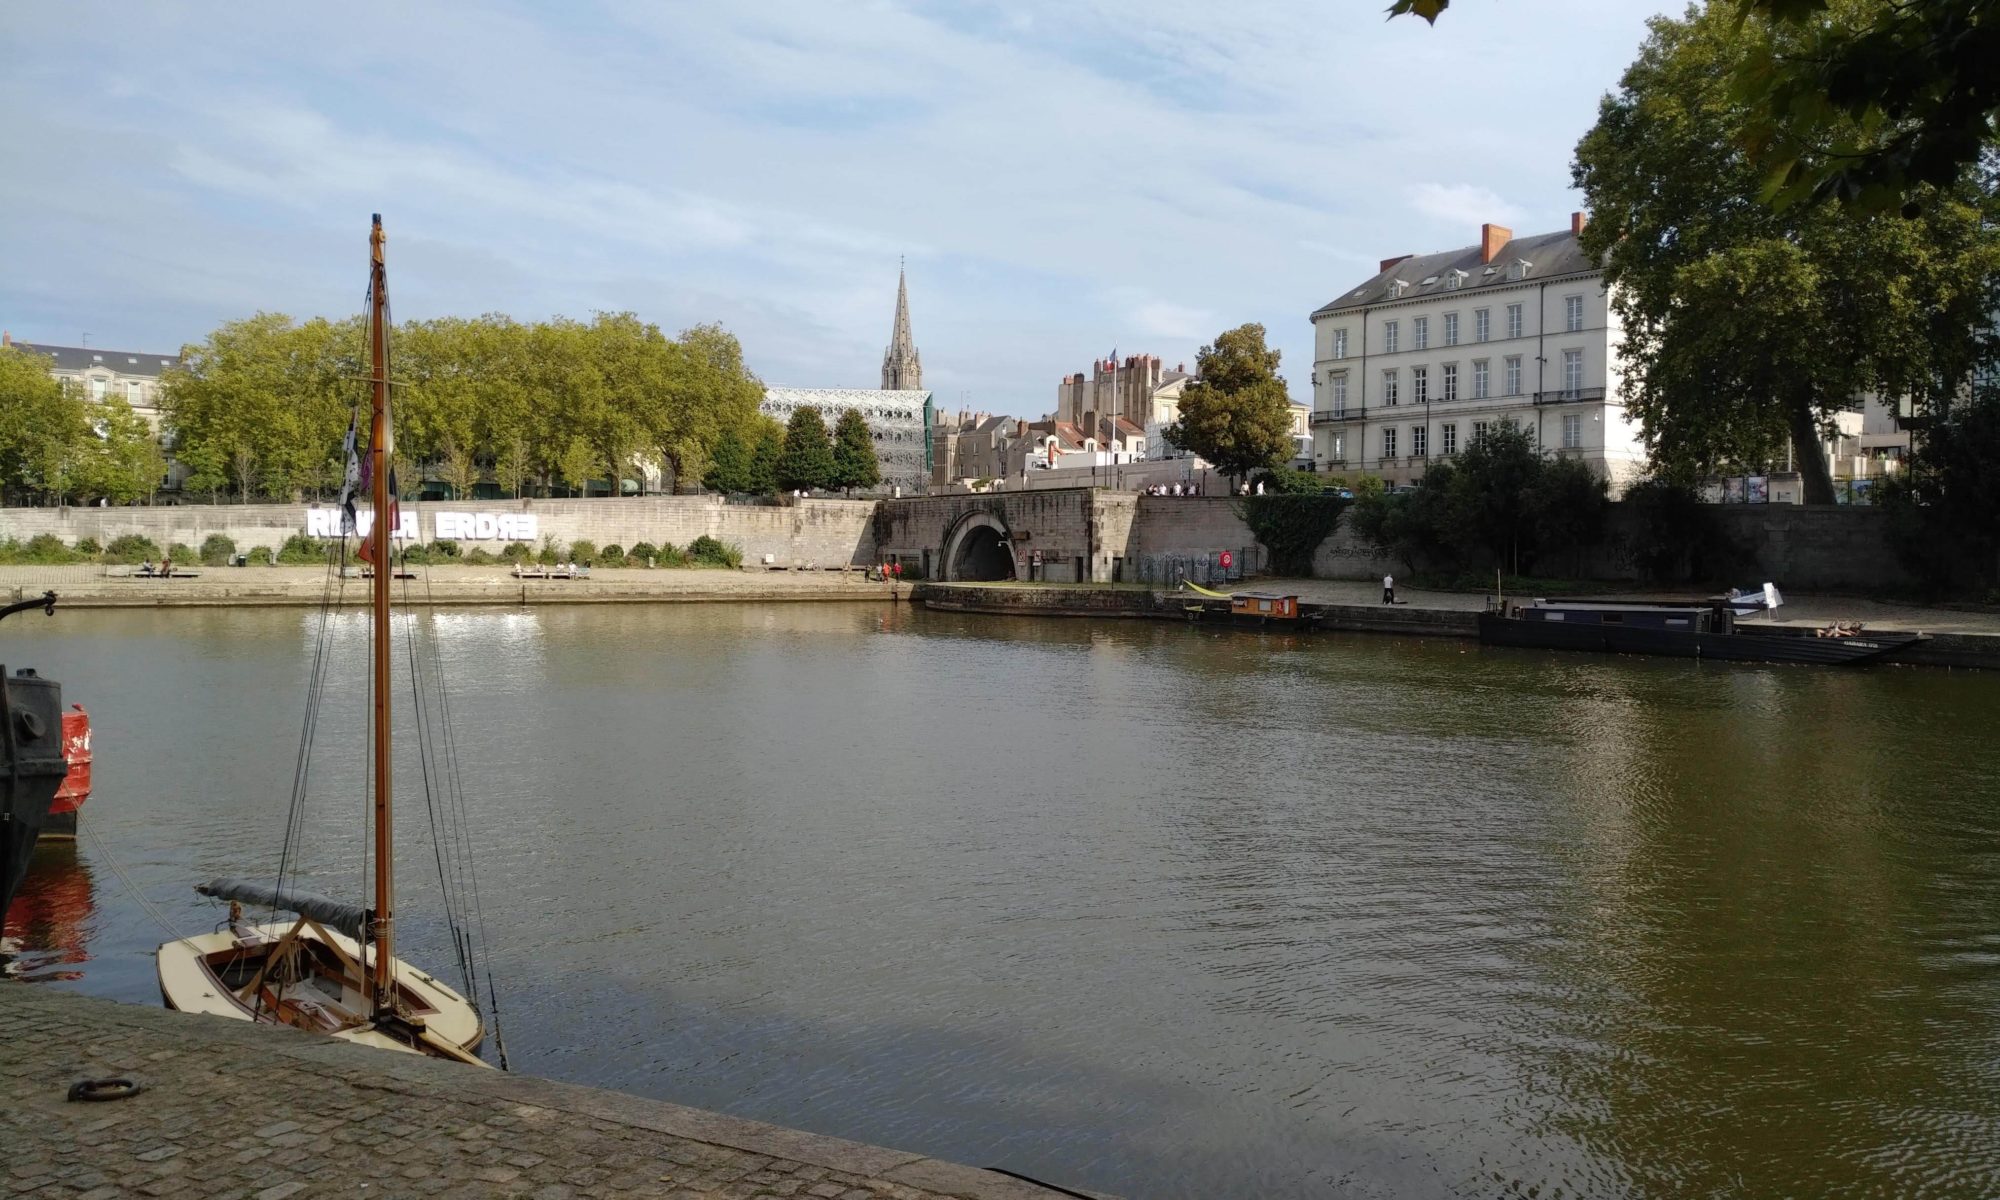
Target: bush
<point>88,547</point>
<point>516,552</point>
<point>612,555</point>
<point>583,550</point>
<point>1286,482</point>
<point>479,556</point>
<point>673,556</point>
<point>644,554</point>
<point>217,549</point>
<point>444,549</point>
<point>1675,536</point>
<point>300,549</point>
<point>132,548</point>
<point>550,554</point>
<point>708,552</point>
<point>44,549</point>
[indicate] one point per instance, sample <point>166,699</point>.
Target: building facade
<point>99,375</point>
<point>900,422</point>
<point>1422,359</point>
<point>1133,390</point>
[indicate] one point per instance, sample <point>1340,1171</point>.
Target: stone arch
<point>978,548</point>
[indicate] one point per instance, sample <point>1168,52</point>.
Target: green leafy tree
<point>1874,103</point>
<point>729,467</point>
<point>1746,327</point>
<point>45,433</point>
<point>770,449</point>
<point>807,460</point>
<point>854,462</point>
<point>1238,414</point>
<point>127,463</point>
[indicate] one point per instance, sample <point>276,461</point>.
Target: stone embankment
<point>1958,637</point>
<point>234,1111</point>
<point>213,587</point>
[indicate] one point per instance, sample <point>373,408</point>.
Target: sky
<point>1062,178</point>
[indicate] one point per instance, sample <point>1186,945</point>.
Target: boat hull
<point>31,769</point>
<point>1748,643</point>
<point>75,789</point>
<point>190,982</point>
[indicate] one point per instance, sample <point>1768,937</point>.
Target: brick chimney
<point>6,339</point>
<point>1390,262</point>
<point>1491,238</point>
<point>1576,223</point>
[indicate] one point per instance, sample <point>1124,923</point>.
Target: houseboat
<point>1683,629</point>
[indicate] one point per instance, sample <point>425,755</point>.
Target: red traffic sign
<point>1226,559</point>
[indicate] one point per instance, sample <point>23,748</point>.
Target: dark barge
<point>1681,629</point>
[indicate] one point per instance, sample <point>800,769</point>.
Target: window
<point>1389,381</point>
<point>1451,381</point>
<point>1572,372</point>
<point>1337,383</point>
<point>1479,374</point>
<point>1479,433</point>
<point>1513,368</point>
<point>1482,324</point>
<point>1573,313</point>
<point>1389,332</point>
<point>1451,329</point>
<point>1340,343</point>
<point>97,389</point>
<point>1513,320</point>
<point>1336,446</point>
<point>1420,441</point>
<point>1448,439</point>
<point>1420,385</point>
<point>1389,442</point>
<point>1572,431</point>
<point>1420,333</point>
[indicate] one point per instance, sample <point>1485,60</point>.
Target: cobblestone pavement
<point>232,1111</point>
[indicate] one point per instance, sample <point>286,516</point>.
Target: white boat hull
<point>193,979</point>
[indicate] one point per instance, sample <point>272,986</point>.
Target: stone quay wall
<point>795,533</point>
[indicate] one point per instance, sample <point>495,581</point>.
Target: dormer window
<point>1453,279</point>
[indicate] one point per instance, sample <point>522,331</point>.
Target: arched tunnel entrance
<point>980,553</point>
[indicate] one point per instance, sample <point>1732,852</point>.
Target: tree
<point>45,433</point>
<point>127,463</point>
<point>807,461</point>
<point>1747,327</point>
<point>729,467</point>
<point>1874,104</point>
<point>1238,414</point>
<point>763,480</point>
<point>854,461</point>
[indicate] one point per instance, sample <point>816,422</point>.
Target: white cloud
<point>1463,204</point>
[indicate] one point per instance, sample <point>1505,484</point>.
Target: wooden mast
<point>381,449</point>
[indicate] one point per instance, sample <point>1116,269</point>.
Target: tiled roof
<point>1547,255</point>
<point>82,358</point>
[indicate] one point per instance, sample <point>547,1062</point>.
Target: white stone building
<point>1417,362</point>
<point>99,374</point>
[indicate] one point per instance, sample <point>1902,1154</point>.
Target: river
<point>1163,911</point>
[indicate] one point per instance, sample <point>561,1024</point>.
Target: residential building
<point>98,374</point>
<point>1139,389</point>
<point>1544,356</point>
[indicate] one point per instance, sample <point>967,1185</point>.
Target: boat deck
<point>238,1110</point>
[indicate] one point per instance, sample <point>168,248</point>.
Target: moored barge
<point>1682,629</point>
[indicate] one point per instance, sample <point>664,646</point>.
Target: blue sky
<point>1063,177</point>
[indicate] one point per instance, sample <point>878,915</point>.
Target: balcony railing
<point>1340,414</point>
<point>1569,395</point>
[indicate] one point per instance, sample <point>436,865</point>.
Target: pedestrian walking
<point>1388,589</point>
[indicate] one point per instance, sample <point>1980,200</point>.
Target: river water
<point>1156,910</point>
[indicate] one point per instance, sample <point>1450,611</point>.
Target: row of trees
<point>260,406</point>
<point>799,456</point>
<point>57,446</point>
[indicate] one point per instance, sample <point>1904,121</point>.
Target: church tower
<point>902,367</point>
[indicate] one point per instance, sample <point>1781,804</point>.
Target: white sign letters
<point>446,526</point>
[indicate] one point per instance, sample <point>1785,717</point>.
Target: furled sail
<point>349,919</point>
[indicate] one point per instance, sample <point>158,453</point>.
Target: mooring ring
<point>104,1089</point>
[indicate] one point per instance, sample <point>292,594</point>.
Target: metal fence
<point>1166,570</point>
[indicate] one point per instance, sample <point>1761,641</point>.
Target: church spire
<point>902,366</point>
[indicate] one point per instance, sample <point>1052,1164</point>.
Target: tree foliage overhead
<point>855,464</point>
<point>1238,413</point>
<point>1876,105</point>
<point>1746,326</point>
<point>259,407</point>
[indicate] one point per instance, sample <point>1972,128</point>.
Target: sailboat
<point>331,966</point>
